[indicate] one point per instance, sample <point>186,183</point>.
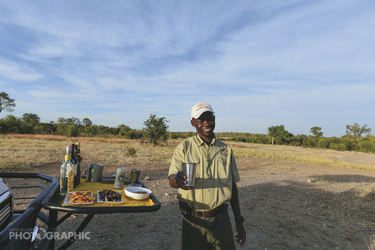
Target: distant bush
<point>173,135</point>
<point>252,139</point>
<point>298,140</point>
<point>134,134</point>
<point>310,142</point>
<point>366,146</point>
<point>338,146</point>
<point>323,143</point>
<point>263,140</point>
<point>71,131</point>
<point>350,145</point>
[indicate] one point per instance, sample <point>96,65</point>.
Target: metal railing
<point>25,219</point>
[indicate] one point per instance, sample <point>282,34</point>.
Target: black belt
<point>185,209</point>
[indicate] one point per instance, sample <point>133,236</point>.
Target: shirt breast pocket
<point>223,170</point>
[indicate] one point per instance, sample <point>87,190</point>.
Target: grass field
<point>33,151</point>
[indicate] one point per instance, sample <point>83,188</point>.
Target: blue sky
<point>295,63</point>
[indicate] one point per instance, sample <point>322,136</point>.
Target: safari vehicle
<point>18,228</point>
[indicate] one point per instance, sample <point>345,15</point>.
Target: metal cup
<point>134,177</point>
<point>94,172</point>
<point>189,170</point>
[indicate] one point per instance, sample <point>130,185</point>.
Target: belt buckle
<point>207,214</point>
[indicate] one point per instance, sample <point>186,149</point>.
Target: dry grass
<point>32,151</point>
<point>350,160</point>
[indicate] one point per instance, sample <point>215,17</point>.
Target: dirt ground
<point>286,205</point>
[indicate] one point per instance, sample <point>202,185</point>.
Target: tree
<point>317,132</point>
<point>357,130</point>
<point>30,118</point>
<point>10,124</point>
<point>156,129</point>
<point>61,120</point>
<point>279,131</point>
<point>29,122</point>
<point>92,130</point>
<point>86,122</point>
<point>69,121</point>
<point>73,121</point>
<point>6,103</point>
<point>124,129</point>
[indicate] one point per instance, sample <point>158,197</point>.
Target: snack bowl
<point>137,193</point>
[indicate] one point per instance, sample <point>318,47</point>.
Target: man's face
<point>205,125</point>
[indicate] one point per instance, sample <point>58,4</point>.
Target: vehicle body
<point>6,204</point>
<point>15,224</point>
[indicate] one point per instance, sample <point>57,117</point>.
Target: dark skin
<point>205,126</point>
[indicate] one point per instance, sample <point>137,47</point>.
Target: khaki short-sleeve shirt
<point>216,172</point>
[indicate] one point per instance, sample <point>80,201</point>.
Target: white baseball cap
<point>199,109</point>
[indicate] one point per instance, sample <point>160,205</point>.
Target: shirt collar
<point>201,142</point>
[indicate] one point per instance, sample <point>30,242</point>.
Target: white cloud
<point>12,71</point>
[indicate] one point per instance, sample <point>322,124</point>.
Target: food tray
<point>67,199</point>
<point>104,201</point>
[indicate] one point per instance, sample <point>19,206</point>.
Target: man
<point>206,222</point>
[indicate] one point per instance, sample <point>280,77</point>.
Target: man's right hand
<point>178,181</point>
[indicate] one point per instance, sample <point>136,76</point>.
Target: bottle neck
<point>67,157</point>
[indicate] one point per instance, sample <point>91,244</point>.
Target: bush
<point>134,134</point>
<point>278,141</point>
<point>131,151</point>
<point>323,143</point>
<point>309,142</point>
<point>173,135</point>
<point>263,140</point>
<point>71,131</point>
<point>338,146</point>
<point>366,146</point>
<point>350,145</point>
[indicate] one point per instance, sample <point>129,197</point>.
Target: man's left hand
<point>241,236</point>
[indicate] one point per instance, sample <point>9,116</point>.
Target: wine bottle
<point>66,176</point>
<point>77,171</point>
<point>74,161</point>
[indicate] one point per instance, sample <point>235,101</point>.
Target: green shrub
<point>278,141</point>
<point>131,151</point>
<point>366,146</point>
<point>134,134</point>
<point>350,145</point>
<point>338,146</point>
<point>309,142</point>
<point>71,131</point>
<point>323,143</point>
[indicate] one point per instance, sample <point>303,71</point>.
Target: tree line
<point>155,127</point>
<point>357,138</point>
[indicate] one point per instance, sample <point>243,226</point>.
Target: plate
<point>100,199</point>
<point>137,193</point>
<point>68,198</point>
